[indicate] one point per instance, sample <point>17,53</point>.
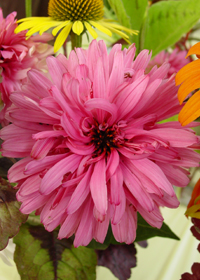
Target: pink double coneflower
<point>176,60</point>
<point>17,56</point>
<point>94,151</point>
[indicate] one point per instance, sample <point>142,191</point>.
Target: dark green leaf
<point>167,22</point>
<point>10,216</point>
<point>39,255</point>
<point>145,231</point>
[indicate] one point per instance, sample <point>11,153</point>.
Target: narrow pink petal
<point>69,226</point>
<point>132,215</point>
<point>120,231</point>
<point>100,228</point>
<point>41,82</point>
<point>80,193</point>
<point>104,105</point>
<point>119,209</point>
<point>33,116</point>
<point>117,74</point>
<point>84,233</point>
<point>48,134</point>
<point>166,200</point>
<point>34,203</point>
<point>136,188</point>
<point>176,137</point>
<point>112,164</point>
<point>155,174</point>
<point>56,70</point>
<point>176,175</point>
<point>16,172</point>
<point>99,86</point>
<point>54,176</point>
<point>37,166</point>
<point>116,187</point>
<point>98,187</point>
<point>31,185</point>
<point>42,147</point>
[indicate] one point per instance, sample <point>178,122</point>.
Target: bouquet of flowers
<point>92,147</point>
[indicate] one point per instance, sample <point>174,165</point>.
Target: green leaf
<point>136,11</point>
<point>130,13</point>
<point>167,22</point>
<point>39,255</point>
<point>119,9</point>
<point>10,216</point>
<point>145,231</point>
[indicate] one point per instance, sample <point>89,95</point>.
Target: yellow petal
<point>90,30</point>
<point>23,26</point>
<point>46,26</point>
<point>77,27</point>
<point>33,19</point>
<point>101,28</point>
<point>59,27</point>
<point>187,71</point>
<point>121,34</point>
<point>194,50</point>
<point>37,28</point>
<point>188,86</point>
<point>192,211</point>
<point>191,110</point>
<point>121,27</point>
<point>62,37</point>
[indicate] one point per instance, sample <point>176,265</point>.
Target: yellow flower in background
<point>193,208</point>
<point>189,79</point>
<point>75,15</point>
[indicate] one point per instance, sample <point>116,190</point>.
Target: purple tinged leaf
<point>40,255</point>
<point>119,259</point>
<point>10,216</point>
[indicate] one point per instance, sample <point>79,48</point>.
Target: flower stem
<point>76,40</point>
<point>28,5</point>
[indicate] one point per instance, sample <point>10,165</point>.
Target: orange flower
<point>194,204</point>
<point>189,79</point>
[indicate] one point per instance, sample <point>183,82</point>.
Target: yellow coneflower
<point>189,79</point>
<point>76,15</point>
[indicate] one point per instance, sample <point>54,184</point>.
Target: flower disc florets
<point>73,10</point>
<point>95,150</point>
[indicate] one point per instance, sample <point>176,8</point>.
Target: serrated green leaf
<point>10,216</point>
<point>39,255</point>
<point>167,22</point>
<point>145,231</point>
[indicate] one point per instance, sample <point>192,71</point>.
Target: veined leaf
<point>167,22</point>
<point>10,216</point>
<point>39,255</point>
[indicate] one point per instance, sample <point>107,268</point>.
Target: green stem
<point>28,5</point>
<point>76,40</point>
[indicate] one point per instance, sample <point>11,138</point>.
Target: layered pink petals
<point>95,150</point>
<point>17,57</point>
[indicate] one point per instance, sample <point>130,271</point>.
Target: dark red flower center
<point>103,137</point>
